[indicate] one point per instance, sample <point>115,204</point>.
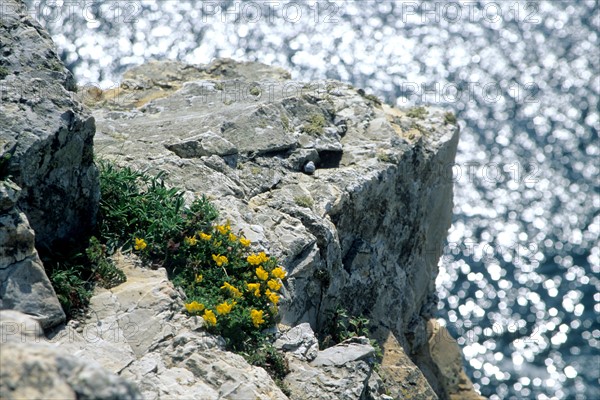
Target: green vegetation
<point>266,356</point>
<point>342,326</point>
<point>315,125</point>
<point>417,112</point>
<point>304,201</point>
<point>285,121</point>
<point>234,290</point>
<point>255,91</point>
<point>373,98</point>
<point>383,156</point>
<point>4,72</point>
<point>370,97</point>
<point>4,161</point>
<point>449,118</point>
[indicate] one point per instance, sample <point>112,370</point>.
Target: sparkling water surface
<point>518,280</point>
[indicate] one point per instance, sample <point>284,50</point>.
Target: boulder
<point>363,231</point>
<point>401,376</point>
<point>344,371</point>
<point>24,285</point>
<point>46,137</point>
<point>299,341</point>
<point>32,368</point>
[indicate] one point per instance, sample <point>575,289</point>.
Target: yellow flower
<point>262,274</point>
<point>245,242</point>
<point>256,259</point>
<point>190,240</point>
<point>257,317</point>
<point>199,278</point>
<point>210,317</point>
<point>273,284</point>
<point>278,273</point>
<point>232,289</point>
<point>219,259</point>
<point>140,244</point>
<point>232,237</point>
<point>204,236</point>
<point>224,229</point>
<point>254,287</point>
<point>225,308</point>
<point>273,297</point>
<point>194,307</point>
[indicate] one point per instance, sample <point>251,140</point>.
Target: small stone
<point>309,167</point>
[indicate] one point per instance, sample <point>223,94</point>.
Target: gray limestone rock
<point>354,349</point>
<point>24,285</point>
<point>344,371</point>
<point>364,232</point>
<point>46,137</point>
<point>138,330</point>
<point>32,368</point>
<point>300,341</point>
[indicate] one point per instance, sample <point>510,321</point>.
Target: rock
<point>299,341</point>
<point>33,368</point>
<point>364,232</point>
<point>440,359</point>
<point>24,285</point>
<point>205,144</point>
<point>46,138</point>
<point>350,350</point>
<point>401,377</point>
<point>138,331</point>
<point>339,372</point>
<point>310,168</point>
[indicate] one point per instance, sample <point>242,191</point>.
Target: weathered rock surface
<point>299,341</point>
<point>45,132</point>
<point>32,368</point>
<point>24,285</point>
<point>363,231</point>
<point>440,360</point>
<point>138,331</point>
<point>343,371</point>
<point>402,379</point>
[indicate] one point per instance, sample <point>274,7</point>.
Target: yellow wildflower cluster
<point>273,284</point>
<point>257,317</point>
<point>194,307</point>
<point>262,274</point>
<point>258,297</point>
<point>254,288</point>
<point>257,259</point>
<point>225,307</point>
<point>235,292</point>
<point>190,240</point>
<point>272,296</point>
<point>140,244</point>
<point>210,317</point>
<point>223,229</point>
<point>219,259</point>
<point>278,273</point>
<point>204,236</point>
